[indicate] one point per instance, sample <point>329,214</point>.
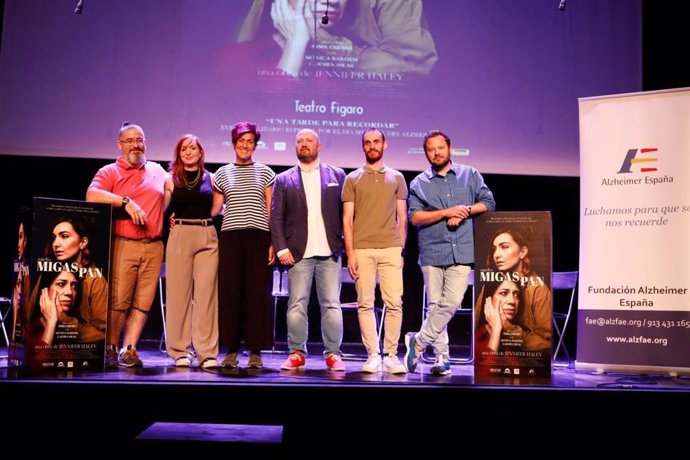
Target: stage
<point>319,407</point>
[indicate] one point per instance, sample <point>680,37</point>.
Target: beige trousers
<point>191,295</point>
<point>386,264</point>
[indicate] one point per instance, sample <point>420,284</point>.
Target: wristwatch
<point>125,200</point>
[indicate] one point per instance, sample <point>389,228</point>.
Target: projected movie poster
<point>68,304</point>
<point>489,74</point>
<point>360,67</point>
<point>513,307</point>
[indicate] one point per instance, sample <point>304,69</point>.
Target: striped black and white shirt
<point>244,190</point>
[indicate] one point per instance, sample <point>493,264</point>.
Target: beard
<point>305,155</point>
<point>135,156</point>
<point>374,155</point>
<point>438,163</point>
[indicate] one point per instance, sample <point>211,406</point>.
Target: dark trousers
<point>244,289</point>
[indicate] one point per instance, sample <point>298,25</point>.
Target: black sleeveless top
<point>194,203</point>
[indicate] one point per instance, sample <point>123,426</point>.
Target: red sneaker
<point>334,363</point>
<point>295,361</point>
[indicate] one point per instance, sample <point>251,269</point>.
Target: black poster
<point>21,288</point>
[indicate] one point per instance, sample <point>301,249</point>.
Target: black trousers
<point>244,290</point>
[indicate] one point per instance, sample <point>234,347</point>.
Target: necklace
<point>191,184</point>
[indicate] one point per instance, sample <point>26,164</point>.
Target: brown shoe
<point>230,360</point>
<point>255,361</point>
<point>129,357</point>
<point>111,361</point>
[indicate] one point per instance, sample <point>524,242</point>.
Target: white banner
<point>634,293</point>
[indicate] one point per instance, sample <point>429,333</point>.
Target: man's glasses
<point>130,141</point>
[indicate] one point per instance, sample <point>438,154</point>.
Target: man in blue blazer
<point>307,233</point>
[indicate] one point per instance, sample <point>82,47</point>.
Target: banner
<point>66,310</point>
<point>514,303</point>
<point>634,292</point>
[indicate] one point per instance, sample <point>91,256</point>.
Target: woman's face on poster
<point>21,242</point>
<point>17,292</point>
<point>66,242</point>
<point>65,287</point>
<point>507,254</point>
<point>507,296</point>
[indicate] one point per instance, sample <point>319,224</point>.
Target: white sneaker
<point>373,364</point>
<point>209,363</point>
<point>441,366</point>
<point>183,362</point>
<point>392,365</point>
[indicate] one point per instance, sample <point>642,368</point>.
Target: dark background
<point>665,33</point>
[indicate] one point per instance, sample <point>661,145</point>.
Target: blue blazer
<point>289,210</point>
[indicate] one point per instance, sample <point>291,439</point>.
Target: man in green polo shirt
<point>375,227</point>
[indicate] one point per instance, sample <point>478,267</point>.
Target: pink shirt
<point>144,184</point>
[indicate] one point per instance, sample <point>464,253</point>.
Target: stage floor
<point>321,402</point>
<point>158,367</point>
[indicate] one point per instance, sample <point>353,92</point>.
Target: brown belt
<point>200,222</point>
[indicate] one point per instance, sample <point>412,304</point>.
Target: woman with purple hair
<point>245,250</point>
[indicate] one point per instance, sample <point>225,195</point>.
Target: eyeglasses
<point>131,141</point>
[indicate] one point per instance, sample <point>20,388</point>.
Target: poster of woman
<point>66,310</point>
<point>513,307</point>
<point>21,286</point>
